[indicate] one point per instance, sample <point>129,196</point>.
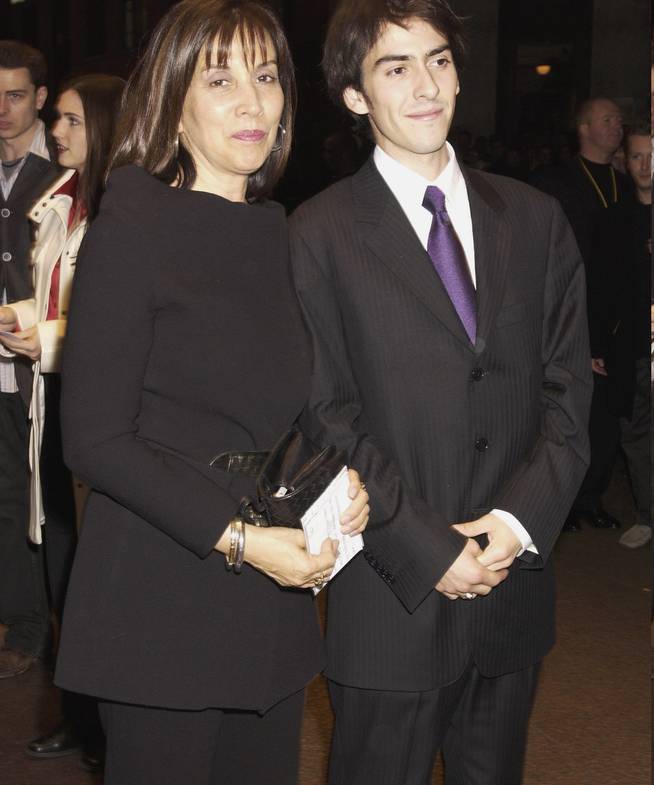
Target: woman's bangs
<point>253,36</point>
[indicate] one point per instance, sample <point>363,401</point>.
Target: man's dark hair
<point>16,54</point>
<point>358,24</point>
<point>640,127</point>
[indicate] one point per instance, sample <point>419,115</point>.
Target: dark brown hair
<point>358,24</point>
<point>640,127</point>
<point>155,93</point>
<point>16,54</point>
<point>100,96</point>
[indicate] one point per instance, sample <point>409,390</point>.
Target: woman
<point>185,341</point>
<point>83,132</point>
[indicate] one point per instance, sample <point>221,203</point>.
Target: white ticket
<point>321,520</point>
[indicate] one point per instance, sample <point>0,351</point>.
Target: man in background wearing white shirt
<point>25,172</point>
<point>446,309</point>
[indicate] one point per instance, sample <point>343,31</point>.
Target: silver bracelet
<point>240,547</point>
<point>234,557</point>
<point>230,556</point>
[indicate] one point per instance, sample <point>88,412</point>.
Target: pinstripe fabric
<point>392,738</point>
<point>486,740</point>
<point>393,385</point>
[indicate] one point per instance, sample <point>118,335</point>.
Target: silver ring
<point>469,595</point>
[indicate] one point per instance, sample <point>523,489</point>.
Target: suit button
<point>5,213</point>
<point>477,374</point>
<point>6,256</point>
<point>481,445</point>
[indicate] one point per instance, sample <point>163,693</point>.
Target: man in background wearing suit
<point>25,172</point>
<point>447,314</point>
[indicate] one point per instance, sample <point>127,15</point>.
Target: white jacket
<point>52,242</point>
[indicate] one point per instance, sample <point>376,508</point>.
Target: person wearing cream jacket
<point>54,253</point>
<point>35,328</point>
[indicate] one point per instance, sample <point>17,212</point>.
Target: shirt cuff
<point>518,529</point>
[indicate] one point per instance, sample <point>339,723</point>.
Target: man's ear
<point>355,101</point>
<point>458,87</point>
<point>41,95</point>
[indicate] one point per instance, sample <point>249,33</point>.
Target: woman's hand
<point>281,554</point>
<point>25,342</point>
<point>8,319</point>
<point>355,519</point>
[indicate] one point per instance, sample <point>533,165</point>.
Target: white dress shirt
<point>409,188</point>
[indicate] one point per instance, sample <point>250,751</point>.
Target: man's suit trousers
<point>392,738</point>
<point>23,602</point>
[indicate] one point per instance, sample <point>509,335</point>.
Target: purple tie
<point>449,260</point>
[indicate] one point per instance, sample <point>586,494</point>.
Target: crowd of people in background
<point>343,151</point>
<point>513,158</point>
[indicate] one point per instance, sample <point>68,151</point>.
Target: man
<point>450,362</point>
<point>587,186</point>
<point>25,172</point>
<point>619,297</point>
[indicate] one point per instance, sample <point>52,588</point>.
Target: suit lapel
<point>492,239</point>
<point>393,241</point>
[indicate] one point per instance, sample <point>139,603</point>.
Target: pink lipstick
<point>250,136</point>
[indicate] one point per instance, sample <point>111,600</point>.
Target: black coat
<point>441,431</point>
<point>619,298</point>
<point>185,340</point>
<point>570,185</point>
<point>16,238</point>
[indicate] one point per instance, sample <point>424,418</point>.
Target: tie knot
<point>434,200</point>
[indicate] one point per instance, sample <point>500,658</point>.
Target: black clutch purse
<point>290,477</point>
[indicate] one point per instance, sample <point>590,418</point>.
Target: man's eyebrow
<point>404,58</point>
<point>20,90</point>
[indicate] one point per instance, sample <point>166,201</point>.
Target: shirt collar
<point>408,186</point>
<point>39,144</point>
<point>69,186</point>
